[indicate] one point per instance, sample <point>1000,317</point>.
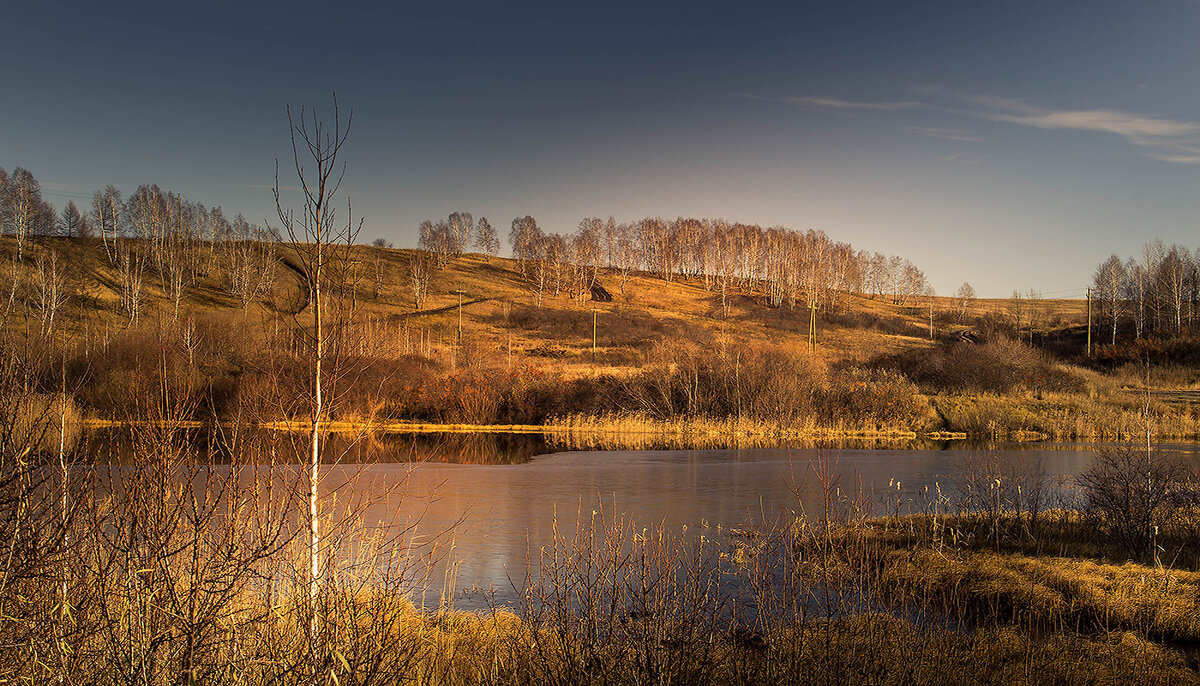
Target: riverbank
<point>961,417</point>
<point>614,603</point>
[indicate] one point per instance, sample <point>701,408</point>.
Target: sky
<point>1012,145</point>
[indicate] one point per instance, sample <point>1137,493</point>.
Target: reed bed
<point>639,431</point>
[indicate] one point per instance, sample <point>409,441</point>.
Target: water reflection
<point>218,445</point>
<point>223,445</point>
<point>490,503</point>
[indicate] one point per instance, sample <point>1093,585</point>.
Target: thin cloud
<point>947,134</point>
<point>1106,121</point>
<point>1161,138</point>
<point>1139,128</point>
<point>1175,158</point>
<point>840,103</point>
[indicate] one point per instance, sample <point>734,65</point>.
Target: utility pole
<point>812,326</point>
<point>1089,316</point>
<point>460,295</point>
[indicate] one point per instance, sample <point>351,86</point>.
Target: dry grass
<point>638,431</point>
<point>1063,416</point>
<point>1052,593</point>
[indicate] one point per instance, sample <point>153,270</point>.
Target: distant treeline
<point>149,233</point>
<point>793,267</point>
<point>1156,292</point>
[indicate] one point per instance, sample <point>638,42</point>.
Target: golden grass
<point>635,431</point>
<point>1063,416</point>
<point>1051,592</point>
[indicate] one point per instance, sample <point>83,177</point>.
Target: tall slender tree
<point>322,244</point>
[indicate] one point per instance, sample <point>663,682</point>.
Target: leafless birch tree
<point>322,245</point>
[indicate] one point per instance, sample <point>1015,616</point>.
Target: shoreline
<point>701,430</point>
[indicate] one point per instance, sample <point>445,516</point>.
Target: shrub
<point>875,398</point>
<point>763,382</point>
<point>1000,365</point>
<point>1134,494</point>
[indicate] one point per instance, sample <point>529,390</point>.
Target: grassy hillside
<point>481,350</point>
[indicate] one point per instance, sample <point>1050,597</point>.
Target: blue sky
<point>1012,145</point>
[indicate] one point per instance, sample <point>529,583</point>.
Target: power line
<point>66,194</point>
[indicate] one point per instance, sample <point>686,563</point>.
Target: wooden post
<point>458,343</point>
<point>593,335</point>
<point>1089,327</point>
<point>812,326</point>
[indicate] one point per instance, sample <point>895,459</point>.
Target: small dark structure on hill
<point>601,294</point>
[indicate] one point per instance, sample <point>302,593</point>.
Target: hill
<point>226,334</point>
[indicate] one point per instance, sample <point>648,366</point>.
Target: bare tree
<point>106,215</point>
<point>540,272</point>
<point>487,239</point>
<point>1107,281</point>
<point>249,264</point>
<point>1135,292</point>
<point>51,287</point>
<point>1034,306</point>
<point>420,271</point>
<point>963,298</point>
<point>1171,282</point>
<point>322,247</point>
<point>175,261</point>
<point>524,238</point>
<point>131,265</point>
<point>1017,308</point>
<point>72,223</point>
<point>462,225</point>
<point>23,209</point>
<point>438,239</point>
<point>379,269</point>
<point>625,253</point>
<point>585,257</point>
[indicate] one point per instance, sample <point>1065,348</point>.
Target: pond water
<point>482,523</point>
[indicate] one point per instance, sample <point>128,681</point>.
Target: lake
<point>480,523</point>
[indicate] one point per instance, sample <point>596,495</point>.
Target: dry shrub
<point>1178,349</point>
<point>860,319</point>
<point>524,394</point>
<point>764,382</point>
<point>771,383</point>
<point>998,366</point>
<point>619,326</point>
<point>1136,495</point>
<point>880,397</point>
<point>211,353</point>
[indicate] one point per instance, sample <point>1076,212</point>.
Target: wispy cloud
<point>1117,122</point>
<point>1168,140</point>
<point>947,134</point>
<point>841,103</point>
<point>1176,158</point>
<point>1163,139</point>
